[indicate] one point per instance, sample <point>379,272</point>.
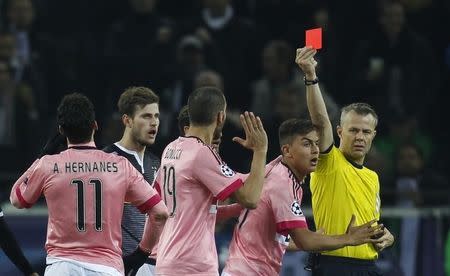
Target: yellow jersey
<point>341,188</point>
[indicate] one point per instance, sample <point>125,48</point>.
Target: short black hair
<point>183,119</point>
<point>136,96</point>
<point>293,127</point>
<point>76,116</point>
<point>204,104</point>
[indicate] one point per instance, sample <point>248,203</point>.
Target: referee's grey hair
<point>359,108</point>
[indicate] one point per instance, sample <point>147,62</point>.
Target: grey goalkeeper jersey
<point>133,221</point>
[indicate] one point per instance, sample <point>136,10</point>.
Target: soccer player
<point>139,107</point>
<point>225,210</point>
<point>183,126</point>
<point>193,177</point>
<point>341,186</point>
<point>11,248</point>
<point>85,189</point>
<point>262,235</point>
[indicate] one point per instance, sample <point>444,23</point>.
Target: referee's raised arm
<point>316,105</point>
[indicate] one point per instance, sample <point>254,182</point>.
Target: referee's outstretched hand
<point>54,145</point>
<point>363,233</point>
<point>255,135</point>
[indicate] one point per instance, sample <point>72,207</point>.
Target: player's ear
<point>286,150</point>
<point>126,120</point>
<point>60,130</point>
<point>95,126</point>
<point>220,118</point>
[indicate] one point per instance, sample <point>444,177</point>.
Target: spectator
<point>389,67</point>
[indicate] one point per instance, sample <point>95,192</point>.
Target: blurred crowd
<point>391,54</point>
<point>394,55</point>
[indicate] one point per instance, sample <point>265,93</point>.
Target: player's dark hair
<point>183,119</point>
<point>76,116</point>
<point>294,127</point>
<point>204,104</point>
<point>136,96</point>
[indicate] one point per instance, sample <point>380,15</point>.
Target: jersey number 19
<point>169,189</point>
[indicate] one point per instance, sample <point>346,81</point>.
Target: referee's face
<point>145,124</point>
<point>356,134</point>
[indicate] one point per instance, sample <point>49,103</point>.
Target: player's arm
<point>256,140</point>
<point>11,248</point>
<point>27,189</point>
<point>225,212</point>
<point>314,99</point>
<point>154,225</point>
<point>148,201</point>
<point>308,240</point>
<point>293,247</point>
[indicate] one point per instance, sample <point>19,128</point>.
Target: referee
<point>341,185</point>
<point>139,107</point>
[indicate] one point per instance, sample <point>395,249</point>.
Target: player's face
<point>356,134</point>
<point>305,152</point>
<point>145,124</point>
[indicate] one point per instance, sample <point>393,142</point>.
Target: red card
<point>314,38</point>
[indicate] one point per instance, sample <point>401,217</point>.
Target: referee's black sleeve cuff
<point>328,149</point>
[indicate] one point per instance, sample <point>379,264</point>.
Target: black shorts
<point>342,266</point>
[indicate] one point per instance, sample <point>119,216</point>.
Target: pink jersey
<point>85,189</point>
<point>191,179</point>
<point>261,236</point>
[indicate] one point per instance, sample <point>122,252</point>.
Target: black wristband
<point>311,82</point>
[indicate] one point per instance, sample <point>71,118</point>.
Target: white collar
<point>134,153</point>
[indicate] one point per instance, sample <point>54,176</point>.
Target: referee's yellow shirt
<point>339,189</point>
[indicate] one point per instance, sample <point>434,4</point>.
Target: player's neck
<point>300,176</point>
<point>131,144</point>
<point>203,133</point>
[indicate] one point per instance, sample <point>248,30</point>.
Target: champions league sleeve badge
<point>295,209</point>
<point>226,171</point>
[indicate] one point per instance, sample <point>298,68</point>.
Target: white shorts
<point>146,270</point>
<point>60,266</point>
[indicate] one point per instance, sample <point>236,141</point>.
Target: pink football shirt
<point>84,189</point>
<point>192,178</point>
<point>261,236</point>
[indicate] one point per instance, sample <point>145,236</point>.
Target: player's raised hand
<point>255,135</point>
<point>362,234</point>
<point>305,60</point>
